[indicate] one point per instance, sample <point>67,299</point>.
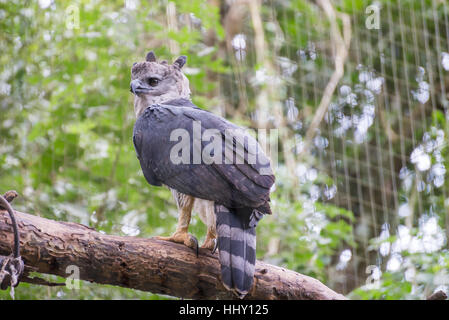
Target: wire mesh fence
<point>381,142</point>
<point>355,89</point>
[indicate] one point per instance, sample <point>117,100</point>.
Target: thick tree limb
<point>48,246</point>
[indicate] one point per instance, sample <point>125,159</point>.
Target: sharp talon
<point>195,242</point>
<point>215,245</point>
<point>184,238</point>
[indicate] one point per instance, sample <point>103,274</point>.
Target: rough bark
<point>49,246</point>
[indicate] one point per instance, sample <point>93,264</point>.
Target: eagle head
<point>156,82</point>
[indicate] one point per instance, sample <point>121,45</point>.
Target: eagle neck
<point>141,104</point>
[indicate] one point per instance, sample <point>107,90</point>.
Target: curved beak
<point>137,87</point>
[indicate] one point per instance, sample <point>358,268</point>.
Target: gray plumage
<point>237,250</point>
<point>230,196</point>
<point>233,185</point>
<point>240,192</point>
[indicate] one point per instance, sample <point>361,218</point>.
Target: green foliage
<point>417,278</point>
<point>304,239</point>
<point>67,116</point>
<point>66,120</point>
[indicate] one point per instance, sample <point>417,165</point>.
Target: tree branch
<point>341,43</point>
<point>48,246</point>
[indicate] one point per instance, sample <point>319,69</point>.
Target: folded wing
<point>242,179</point>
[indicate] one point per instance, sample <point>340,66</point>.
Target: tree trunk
<point>48,246</point>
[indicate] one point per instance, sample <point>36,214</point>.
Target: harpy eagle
<point>229,185</point>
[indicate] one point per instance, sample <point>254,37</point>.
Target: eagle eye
<point>153,82</point>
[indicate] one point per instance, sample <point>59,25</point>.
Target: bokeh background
<point>356,89</point>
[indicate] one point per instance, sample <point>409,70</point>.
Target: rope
<point>8,207</point>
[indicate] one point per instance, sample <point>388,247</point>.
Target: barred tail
<point>237,250</point>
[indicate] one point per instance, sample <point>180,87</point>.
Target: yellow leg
<point>181,235</point>
<point>209,242</point>
<point>208,216</point>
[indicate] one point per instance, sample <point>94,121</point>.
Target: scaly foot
<point>209,243</point>
<point>182,237</point>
